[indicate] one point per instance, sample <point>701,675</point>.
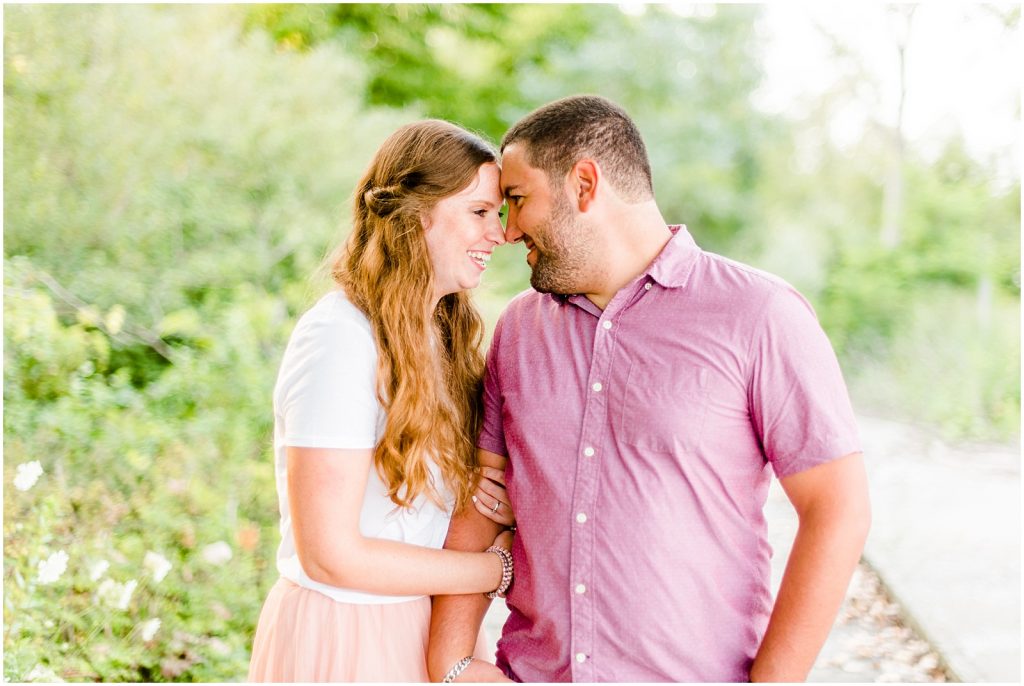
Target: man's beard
<point>562,266</point>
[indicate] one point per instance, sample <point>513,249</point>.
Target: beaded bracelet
<point>506,571</point>
<point>457,669</point>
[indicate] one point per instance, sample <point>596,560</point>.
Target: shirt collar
<point>673,265</point>
<point>670,269</point>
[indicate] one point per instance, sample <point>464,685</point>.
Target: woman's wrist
<point>506,572</point>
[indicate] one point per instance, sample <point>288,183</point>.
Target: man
<point>639,394</point>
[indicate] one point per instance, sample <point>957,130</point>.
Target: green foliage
<point>218,160</point>
<point>172,468</point>
<point>171,186</point>
<point>948,367</point>
<point>459,62</point>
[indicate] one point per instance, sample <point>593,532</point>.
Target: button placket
<point>582,608</point>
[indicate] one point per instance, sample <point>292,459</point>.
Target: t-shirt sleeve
<point>492,434</point>
<point>327,390</point>
<point>799,402</point>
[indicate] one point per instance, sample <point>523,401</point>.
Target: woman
<point>376,413</point>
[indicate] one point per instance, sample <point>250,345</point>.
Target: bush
<point>171,183</point>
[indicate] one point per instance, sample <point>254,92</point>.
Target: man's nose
<point>512,232</point>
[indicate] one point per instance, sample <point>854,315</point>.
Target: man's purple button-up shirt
<point>638,441</point>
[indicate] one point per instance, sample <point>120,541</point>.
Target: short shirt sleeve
<point>326,395</point>
<point>492,434</point>
<point>799,402</point>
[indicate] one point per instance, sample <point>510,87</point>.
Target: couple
<point>632,403</point>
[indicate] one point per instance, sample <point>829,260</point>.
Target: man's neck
<point>634,239</point>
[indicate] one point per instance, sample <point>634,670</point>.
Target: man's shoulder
<point>733,273</point>
<point>755,292</point>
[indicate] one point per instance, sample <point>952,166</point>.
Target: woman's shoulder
<point>331,340</point>
<point>333,316</point>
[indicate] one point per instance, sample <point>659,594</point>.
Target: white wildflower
<point>115,320</point>
<point>217,553</point>
<point>43,673</point>
<point>148,629</point>
<point>126,594</point>
<point>106,590</point>
<point>53,567</point>
<point>98,569</point>
<point>157,564</point>
<point>27,475</point>
<point>116,595</point>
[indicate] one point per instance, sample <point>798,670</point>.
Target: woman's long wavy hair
<point>430,367</point>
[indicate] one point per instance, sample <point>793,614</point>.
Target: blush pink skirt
<point>303,635</point>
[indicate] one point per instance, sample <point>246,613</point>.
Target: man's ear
<point>585,177</point>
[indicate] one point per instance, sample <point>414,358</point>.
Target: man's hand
<point>481,671</point>
<point>831,501</point>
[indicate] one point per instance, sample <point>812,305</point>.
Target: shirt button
<point>647,286</point>
<point>588,451</point>
<point>581,518</point>
<point>580,657</point>
<point>607,324</point>
<point>580,589</point>
<point>597,387</point>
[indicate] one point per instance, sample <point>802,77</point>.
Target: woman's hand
<point>491,499</point>
<point>504,539</point>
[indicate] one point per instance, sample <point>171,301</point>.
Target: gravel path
<point>871,641</point>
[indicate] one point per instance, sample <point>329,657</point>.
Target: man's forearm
<point>455,619</point>
<point>824,555</point>
<point>454,625</point>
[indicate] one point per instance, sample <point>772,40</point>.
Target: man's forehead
<point>514,167</point>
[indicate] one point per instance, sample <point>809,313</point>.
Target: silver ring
<point>496,506</point>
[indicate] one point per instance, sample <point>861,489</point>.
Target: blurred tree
<point>902,17</point>
<point>168,195</point>
<point>460,62</point>
<point>170,184</point>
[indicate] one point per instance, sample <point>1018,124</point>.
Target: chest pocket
<point>664,407</point>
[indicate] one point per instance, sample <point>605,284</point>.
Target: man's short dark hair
<point>561,133</point>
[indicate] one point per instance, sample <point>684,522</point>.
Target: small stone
<point>856,666</point>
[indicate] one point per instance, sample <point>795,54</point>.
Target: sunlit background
<point>174,176</point>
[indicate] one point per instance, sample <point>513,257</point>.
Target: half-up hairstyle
<point>429,366</point>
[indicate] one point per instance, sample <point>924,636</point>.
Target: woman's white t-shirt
<point>326,397</point>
